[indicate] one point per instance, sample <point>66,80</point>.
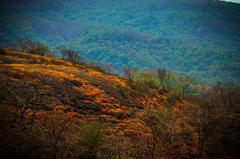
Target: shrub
<point>172,99</point>
<point>70,55</point>
<point>41,49</point>
<point>92,139</point>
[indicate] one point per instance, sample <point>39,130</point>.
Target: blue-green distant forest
<point>197,37</point>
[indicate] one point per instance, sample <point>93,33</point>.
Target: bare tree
<point>70,55</point>
<point>162,123</point>
<point>117,147</point>
<point>162,76</point>
<point>227,93</point>
<point>23,97</point>
<point>25,45</point>
<point>61,130</point>
<point>129,73</point>
<point>201,121</point>
<point>184,83</point>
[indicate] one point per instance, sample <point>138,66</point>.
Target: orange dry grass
<point>24,64</point>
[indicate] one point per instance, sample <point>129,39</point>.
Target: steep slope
<point>80,91</point>
<point>47,104</point>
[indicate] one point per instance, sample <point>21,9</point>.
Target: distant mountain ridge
<point>187,36</point>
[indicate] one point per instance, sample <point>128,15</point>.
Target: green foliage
<point>41,49</point>
<point>180,35</point>
<point>80,95</point>
<point>92,136</point>
<point>136,86</point>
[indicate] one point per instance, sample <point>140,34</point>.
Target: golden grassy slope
<point>78,90</point>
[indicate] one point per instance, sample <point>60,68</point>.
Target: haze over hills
<point>187,36</point>
<point>61,99</point>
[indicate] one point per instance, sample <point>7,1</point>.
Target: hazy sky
<point>236,1</point>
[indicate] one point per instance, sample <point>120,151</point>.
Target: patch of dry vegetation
<point>70,110</point>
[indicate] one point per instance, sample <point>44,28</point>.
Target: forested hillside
<point>198,37</point>
<point>53,108</point>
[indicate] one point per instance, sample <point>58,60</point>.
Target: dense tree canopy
<point>180,35</point>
